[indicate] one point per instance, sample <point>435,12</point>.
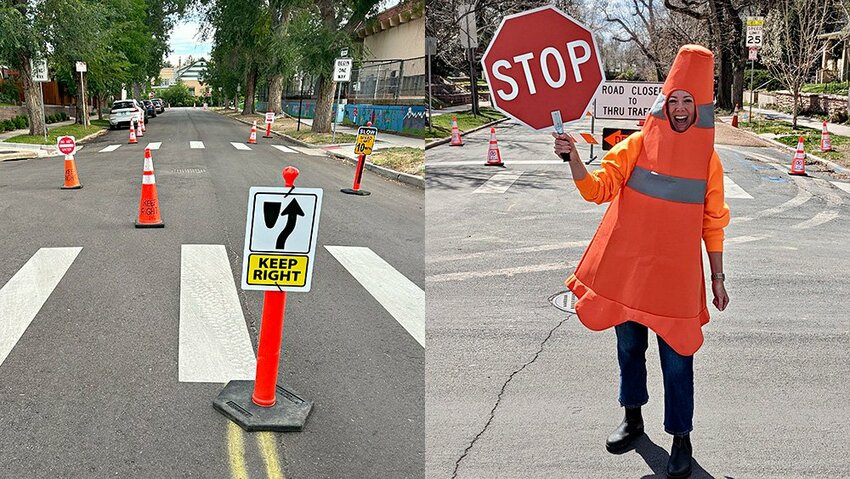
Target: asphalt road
<point>91,388</point>
<point>516,388</point>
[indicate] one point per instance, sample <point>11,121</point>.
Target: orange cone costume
<point>644,263</point>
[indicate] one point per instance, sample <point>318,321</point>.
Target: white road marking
<point>816,220</point>
<point>23,296</point>
<point>439,164</point>
<point>309,151</point>
<point>842,186</point>
<point>508,272</point>
<point>196,145</point>
<point>744,239</point>
<point>398,295</point>
<point>154,146</point>
<point>504,251</point>
<point>109,148</point>
<point>802,197</point>
<point>214,345</point>
<point>732,190</point>
<point>284,149</point>
<point>240,146</point>
<point>499,183</point>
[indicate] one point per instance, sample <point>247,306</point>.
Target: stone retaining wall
<point>810,102</point>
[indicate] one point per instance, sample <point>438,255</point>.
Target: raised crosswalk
<point>199,145</point>
<point>240,146</point>
<point>196,145</point>
<point>23,296</point>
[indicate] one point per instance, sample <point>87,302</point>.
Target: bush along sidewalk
<point>21,122</point>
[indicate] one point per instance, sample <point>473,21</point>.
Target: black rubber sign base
<point>356,192</point>
<point>288,414</point>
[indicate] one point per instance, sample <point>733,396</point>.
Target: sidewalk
<point>383,137</point>
<point>836,128</point>
<point>460,108</point>
<point>26,131</point>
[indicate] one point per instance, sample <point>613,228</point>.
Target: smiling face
<point>681,110</point>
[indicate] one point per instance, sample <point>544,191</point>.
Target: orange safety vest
<point>644,263</point>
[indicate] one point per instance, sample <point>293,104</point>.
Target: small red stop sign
<point>540,61</point>
<point>67,145</point>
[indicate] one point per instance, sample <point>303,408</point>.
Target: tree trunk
<point>795,108</point>
<point>137,90</point>
<point>738,87</point>
<point>275,93</point>
<point>324,106</point>
<point>250,88</point>
<point>32,98</point>
<point>101,99</point>
<point>724,82</point>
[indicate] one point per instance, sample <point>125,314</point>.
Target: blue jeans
<point>678,372</point>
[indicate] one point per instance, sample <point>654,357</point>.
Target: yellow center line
<point>266,443</point>
<point>236,451</point>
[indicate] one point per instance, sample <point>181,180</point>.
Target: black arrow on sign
<point>292,212</point>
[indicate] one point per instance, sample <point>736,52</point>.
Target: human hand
<point>721,299</point>
<point>565,147</point>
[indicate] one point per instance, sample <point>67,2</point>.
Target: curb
<point>441,141</point>
<point>815,159</point>
<point>48,151</point>
<point>412,180</point>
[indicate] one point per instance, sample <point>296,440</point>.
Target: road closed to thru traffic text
<point>541,61</point>
<point>621,100</point>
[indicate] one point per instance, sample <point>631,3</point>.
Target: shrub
<point>50,119</point>
<point>8,92</point>
<point>7,125</point>
<point>21,122</point>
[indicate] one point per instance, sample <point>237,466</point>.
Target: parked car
<point>123,113</point>
<point>160,105</point>
<point>151,109</point>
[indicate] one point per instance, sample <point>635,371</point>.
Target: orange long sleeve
<point>603,185</point>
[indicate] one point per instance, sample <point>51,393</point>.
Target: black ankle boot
<point>630,429</point>
<point>679,466</point>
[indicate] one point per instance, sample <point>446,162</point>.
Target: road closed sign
<point>281,234</point>
<point>620,100</point>
<point>67,145</point>
<point>541,61</point>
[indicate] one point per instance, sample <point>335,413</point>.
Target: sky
<point>185,39</point>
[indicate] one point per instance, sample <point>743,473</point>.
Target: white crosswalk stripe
<point>214,345</point>
<point>23,296</point>
<point>109,148</point>
<point>284,149</point>
<point>499,183</point>
<point>732,190</point>
<point>240,146</point>
<point>842,186</point>
<point>398,295</point>
<point>196,145</point>
<point>154,145</point>
<point>309,151</point>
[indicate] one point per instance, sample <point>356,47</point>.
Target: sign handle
<point>558,124</point>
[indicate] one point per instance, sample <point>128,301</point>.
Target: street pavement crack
<point>502,392</point>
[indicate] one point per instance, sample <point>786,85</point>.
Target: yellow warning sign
<point>272,269</point>
<point>365,140</point>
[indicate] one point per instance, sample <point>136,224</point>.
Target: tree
<point>21,43</point>
<point>791,47</point>
<point>177,95</point>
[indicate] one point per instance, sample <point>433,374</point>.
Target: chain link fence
<point>398,80</point>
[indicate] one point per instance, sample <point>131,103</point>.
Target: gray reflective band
<point>705,116</point>
<point>671,188</point>
<point>657,109</point>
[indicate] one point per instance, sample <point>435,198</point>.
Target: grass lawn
<point>465,121</point>
<point>77,131</point>
<point>406,160</point>
<point>811,136</point>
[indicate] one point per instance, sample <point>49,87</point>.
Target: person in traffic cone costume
<point>494,158</point>
<point>798,163</point>
<point>643,268</point>
<point>253,138</point>
<point>72,181</point>
<point>149,216</point>
<point>457,140</point>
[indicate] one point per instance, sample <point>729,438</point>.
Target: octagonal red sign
<point>67,144</point>
<point>540,61</point>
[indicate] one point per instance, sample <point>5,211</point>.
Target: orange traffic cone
<point>735,117</point>
<point>72,182</point>
<point>149,202</point>
<point>139,133</point>
<point>456,139</point>
<point>253,138</point>
<point>132,134</point>
<point>142,121</point>
<point>798,164</point>
<point>494,158</point>
<point>825,142</point>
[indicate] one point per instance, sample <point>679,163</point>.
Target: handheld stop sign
<point>541,62</point>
